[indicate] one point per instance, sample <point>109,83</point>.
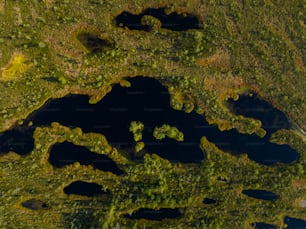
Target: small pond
<point>172,21</point>
<point>260,194</point>
<point>209,201</point>
<point>85,189</point>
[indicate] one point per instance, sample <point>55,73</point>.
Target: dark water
<point>294,223</point>
<point>173,21</point>
<point>19,141</point>
<point>148,101</point>
<point>209,201</point>
<point>222,179</point>
<point>85,189</point>
<point>260,225</point>
<point>252,106</point>
<point>145,101</point>
<point>34,204</point>
<point>66,153</point>
<point>152,214</point>
<point>260,194</point>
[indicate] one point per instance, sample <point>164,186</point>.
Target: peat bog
<point>94,44</point>
<point>34,204</point>
<point>146,101</point>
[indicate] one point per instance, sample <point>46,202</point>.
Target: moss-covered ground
<point>49,49</point>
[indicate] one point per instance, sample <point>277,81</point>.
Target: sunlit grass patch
<point>18,65</point>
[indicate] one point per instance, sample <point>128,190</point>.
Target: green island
<point>136,128</point>
<point>168,131</point>
<point>50,49</point>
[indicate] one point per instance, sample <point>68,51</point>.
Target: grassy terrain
<point>240,46</point>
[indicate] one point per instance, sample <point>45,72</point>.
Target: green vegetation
<point>168,131</point>
<point>139,146</point>
<point>124,83</point>
<point>136,128</point>
<point>15,68</point>
<point>241,46</point>
<point>150,21</point>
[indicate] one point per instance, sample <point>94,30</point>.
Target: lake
<point>146,101</point>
